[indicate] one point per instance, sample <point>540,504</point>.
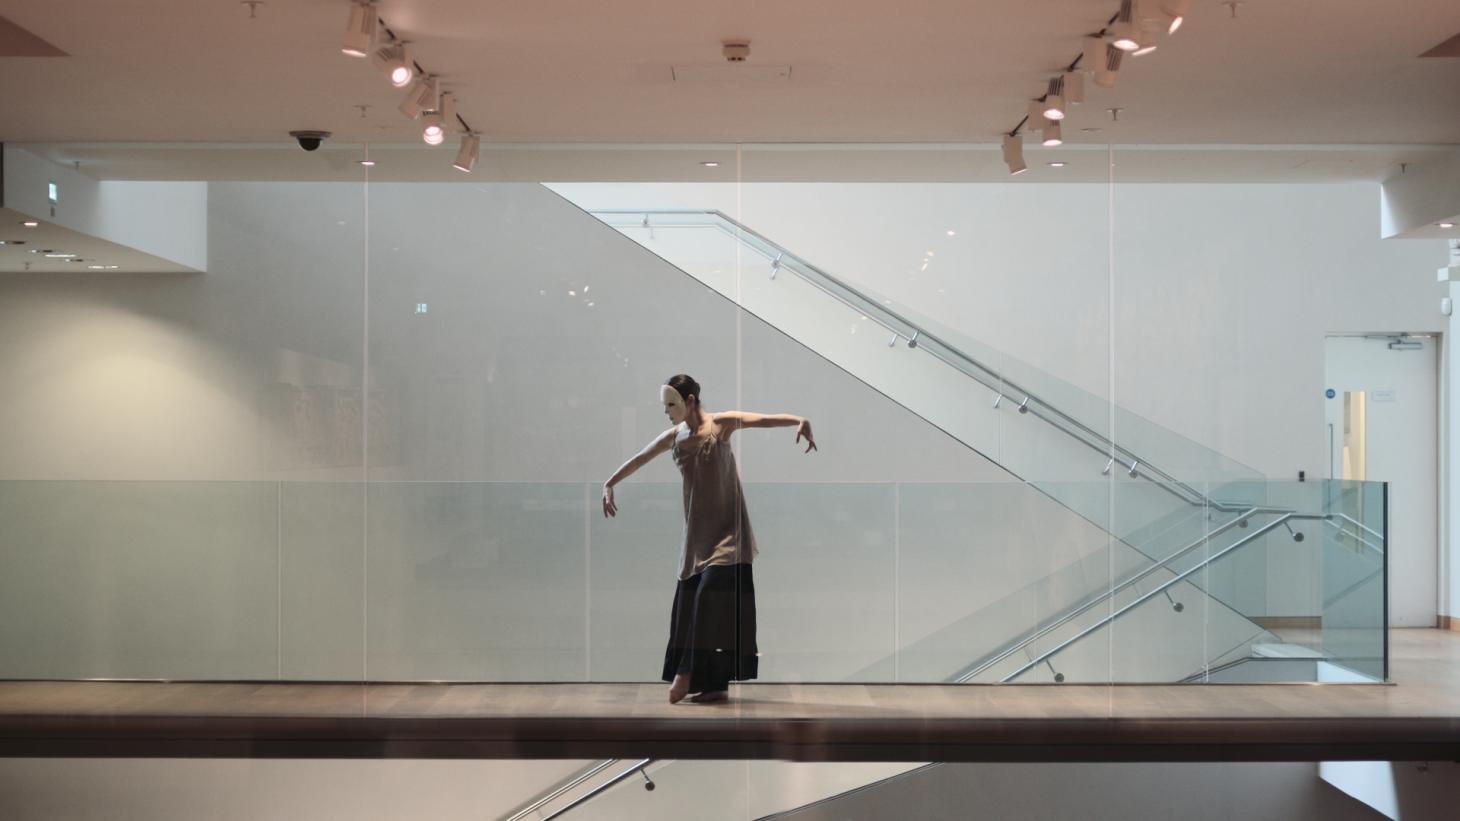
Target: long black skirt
<point>712,629</point>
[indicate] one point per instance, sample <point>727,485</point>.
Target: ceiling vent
<point>1449,48</point>
<point>17,42</point>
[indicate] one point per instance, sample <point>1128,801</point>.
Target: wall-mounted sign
<point>1330,393</point>
<point>1382,396</point>
<point>53,193</point>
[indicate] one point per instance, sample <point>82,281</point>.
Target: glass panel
<point>477,581</point>
<point>1316,613</point>
<point>1354,562</point>
<point>102,579</point>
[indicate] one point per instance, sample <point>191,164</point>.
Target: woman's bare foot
<point>711,697</point>
<point>679,688</point>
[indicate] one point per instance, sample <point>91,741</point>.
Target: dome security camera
<point>310,140</point>
<point>735,51</point>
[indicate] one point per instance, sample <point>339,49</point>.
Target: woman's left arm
<point>735,420</point>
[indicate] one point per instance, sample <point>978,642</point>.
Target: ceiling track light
<point>1108,68</point>
<point>1014,154</point>
<point>433,133</point>
<point>1123,32</point>
<point>1051,134</point>
<point>448,110</point>
<point>1175,11</point>
<point>423,96</point>
<point>396,61</point>
<point>1054,99</point>
<point>466,156</point>
<point>359,31</point>
<point>438,121</point>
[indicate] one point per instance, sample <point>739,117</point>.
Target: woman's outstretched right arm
<point>661,443</point>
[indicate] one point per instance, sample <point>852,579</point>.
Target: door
<point>1382,427</point>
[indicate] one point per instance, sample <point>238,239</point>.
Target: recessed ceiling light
<point>710,164</point>
<point>1056,164</point>
<point>30,223</point>
<point>368,163</point>
<point>1089,130</point>
<point>12,242</point>
<point>1447,225</point>
<point>59,256</point>
<point>952,233</point>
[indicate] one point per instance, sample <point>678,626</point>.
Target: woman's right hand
<point>609,508</point>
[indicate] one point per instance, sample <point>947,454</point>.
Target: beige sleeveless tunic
<point>716,524</point>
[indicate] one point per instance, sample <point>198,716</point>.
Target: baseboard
<point>1288,622</point>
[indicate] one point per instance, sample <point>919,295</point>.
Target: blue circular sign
<point>1330,393</point>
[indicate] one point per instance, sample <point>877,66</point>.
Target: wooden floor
<point>1416,717</point>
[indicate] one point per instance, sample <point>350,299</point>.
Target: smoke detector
<point>735,51</point>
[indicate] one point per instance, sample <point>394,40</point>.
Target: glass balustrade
<point>484,581</point>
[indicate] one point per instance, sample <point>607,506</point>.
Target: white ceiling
<point>588,71</point>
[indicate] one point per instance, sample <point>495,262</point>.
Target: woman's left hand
<point>804,429</point>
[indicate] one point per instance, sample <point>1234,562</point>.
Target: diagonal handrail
<point>918,337</point>
<point>637,767</point>
<point>1158,590</point>
<point>553,795</point>
<point>973,670</point>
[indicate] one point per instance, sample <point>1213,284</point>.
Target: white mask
<point>674,406</point>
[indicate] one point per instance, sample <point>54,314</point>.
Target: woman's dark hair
<point>685,385</point>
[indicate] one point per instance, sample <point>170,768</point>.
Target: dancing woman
<point>712,623</point>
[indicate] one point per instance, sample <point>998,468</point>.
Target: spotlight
<point>433,133</point>
<point>1123,33</point>
<point>1036,113</point>
<point>466,156</point>
<point>448,110</point>
<point>1176,10</point>
<point>423,96</point>
<point>1052,135</point>
<point>1054,101</point>
<point>359,31</point>
<point>1107,68</point>
<point>1014,154</point>
<point>395,60</point>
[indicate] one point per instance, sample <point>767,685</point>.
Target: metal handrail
<point>555,794</point>
<point>605,786</point>
<point>1361,526</point>
<point>902,327</point>
<point>1080,609</point>
<point>1162,588</point>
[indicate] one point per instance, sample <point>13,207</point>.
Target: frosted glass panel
<point>477,581</point>
<point>138,580</point>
